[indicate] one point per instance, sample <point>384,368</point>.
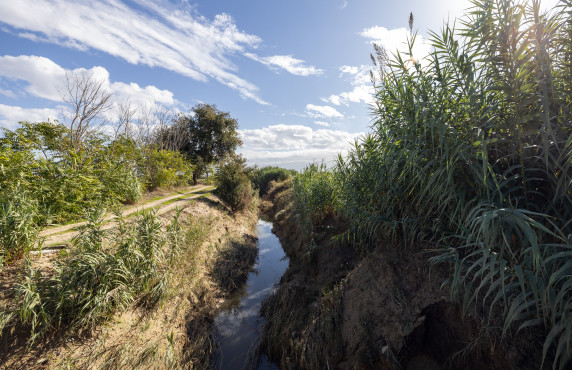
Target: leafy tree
<point>211,135</point>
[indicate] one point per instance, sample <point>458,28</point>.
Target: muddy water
<point>238,324</point>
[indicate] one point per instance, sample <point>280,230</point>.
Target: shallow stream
<point>238,324</point>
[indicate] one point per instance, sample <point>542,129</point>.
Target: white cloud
<point>46,79</point>
<point>362,89</point>
<point>42,74</point>
<point>141,96</point>
<point>322,123</point>
<point>11,115</point>
<point>322,111</point>
<point>288,63</point>
<point>156,34</point>
<point>294,146</point>
<point>396,39</point>
<point>8,93</point>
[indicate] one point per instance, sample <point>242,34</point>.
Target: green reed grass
<point>18,230</point>
<point>104,272</point>
<point>471,154</point>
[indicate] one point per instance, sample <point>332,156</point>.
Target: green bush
<point>264,175</point>
<point>18,230</point>
<point>120,181</point>
<point>233,184</point>
<point>164,168</point>
<point>316,195</point>
<point>65,182</point>
<point>64,193</point>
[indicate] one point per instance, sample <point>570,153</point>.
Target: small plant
<point>18,230</point>
<point>90,237</point>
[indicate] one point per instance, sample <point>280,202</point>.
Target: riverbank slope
<point>337,307</point>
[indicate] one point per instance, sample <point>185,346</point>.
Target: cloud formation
<point>10,115</point>
<point>287,62</point>
<point>40,77</point>
<point>322,111</point>
<point>155,33</point>
<point>294,146</point>
<point>45,79</point>
<point>362,89</point>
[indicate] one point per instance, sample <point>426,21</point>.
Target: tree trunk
<point>195,178</point>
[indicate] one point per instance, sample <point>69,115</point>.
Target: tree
<point>211,135</point>
<point>88,101</point>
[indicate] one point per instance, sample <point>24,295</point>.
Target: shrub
<point>233,184</point>
<point>164,168</point>
<point>264,175</point>
<point>18,230</point>
<point>316,194</point>
<point>120,181</point>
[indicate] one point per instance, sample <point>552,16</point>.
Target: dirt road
<point>62,235</point>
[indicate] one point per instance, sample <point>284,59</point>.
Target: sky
<point>295,74</point>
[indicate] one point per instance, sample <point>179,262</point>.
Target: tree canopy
<point>210,136</point>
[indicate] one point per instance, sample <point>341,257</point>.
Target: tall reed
<point>104,272</point>
<point>471,154</point>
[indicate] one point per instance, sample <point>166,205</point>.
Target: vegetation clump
<point>265,175</point>
<point>233,184</point>
<point>18,230</point>
<point>98,278</point>
<point>470,154</point>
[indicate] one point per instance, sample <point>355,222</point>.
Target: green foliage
<point>209,136</point>
<point>64,193</point>
<point>18,231</point>
<point>233,184</point>
<point>65,182</point>
<point>121,182</point>
<point>471,151</point>
<point>316,199</point>
<point>165,168</point>
<point>95,280</point>
<point>264,175</point>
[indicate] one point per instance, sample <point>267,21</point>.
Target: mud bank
<point>335,308</point>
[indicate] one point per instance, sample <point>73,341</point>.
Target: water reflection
<point>238,324</point>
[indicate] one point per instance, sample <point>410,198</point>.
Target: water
<point>238,325</point>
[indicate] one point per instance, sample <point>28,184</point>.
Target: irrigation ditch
<point>336,308</point>
<point>249,293</point>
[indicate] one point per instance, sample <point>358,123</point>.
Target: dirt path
<point>63,234</point>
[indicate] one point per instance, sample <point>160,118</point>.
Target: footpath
<point>62,235</point>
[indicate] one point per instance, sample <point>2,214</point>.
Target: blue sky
<point>295,74</point>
